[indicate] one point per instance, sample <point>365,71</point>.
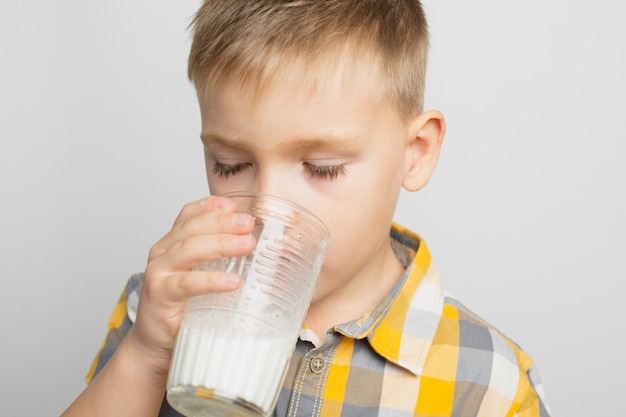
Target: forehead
<point>333,95</point>
<point>297,108</point>
<point>340,69</point>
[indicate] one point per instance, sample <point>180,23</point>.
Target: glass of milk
<point>233,348</point>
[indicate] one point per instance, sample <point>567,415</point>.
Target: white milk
<point>234,365</point>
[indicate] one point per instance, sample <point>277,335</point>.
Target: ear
<point>426,134</point>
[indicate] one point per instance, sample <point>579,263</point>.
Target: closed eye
<point>324,172</point>
<point>224,170</point>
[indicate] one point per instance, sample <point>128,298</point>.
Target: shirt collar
<point>402,326</point>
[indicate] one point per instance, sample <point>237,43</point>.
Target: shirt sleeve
<point>120,323</point>
<point>533,403</point>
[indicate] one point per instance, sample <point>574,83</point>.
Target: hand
<point>205,230</point>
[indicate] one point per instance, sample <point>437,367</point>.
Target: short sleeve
<point>120,323</point>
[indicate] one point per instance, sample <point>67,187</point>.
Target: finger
<point>217,222</point>
<point>186,253</point>
<point>204,205</point>
<point>184,285</point>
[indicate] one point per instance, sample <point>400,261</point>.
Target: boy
<point>318,102</point>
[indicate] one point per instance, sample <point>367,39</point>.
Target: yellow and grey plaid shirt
<point>418,353</point>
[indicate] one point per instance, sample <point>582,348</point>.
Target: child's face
<point>336,151</point>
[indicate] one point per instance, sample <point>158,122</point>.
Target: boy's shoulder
<point>451,322</point>
<point>480,343</point>
<point>425,292</point>
<point>448,343</point>
<point>474,330</point>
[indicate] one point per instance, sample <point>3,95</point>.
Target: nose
<point>274,181</point>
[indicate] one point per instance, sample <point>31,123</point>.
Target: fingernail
<point>241,219</point>
<point>243,240</point>
<point>231,279</point>
<point>224,203</point>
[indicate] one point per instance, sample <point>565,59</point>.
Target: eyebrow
<point>345,143</point>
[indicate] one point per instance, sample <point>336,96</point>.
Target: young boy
<point>318,102</point>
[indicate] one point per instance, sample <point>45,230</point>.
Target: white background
<point>525,216</point>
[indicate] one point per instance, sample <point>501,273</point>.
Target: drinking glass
<point>233,348</point>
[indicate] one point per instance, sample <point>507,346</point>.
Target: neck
<point>356,296</point>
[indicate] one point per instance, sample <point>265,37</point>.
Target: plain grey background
<point>525,215</point>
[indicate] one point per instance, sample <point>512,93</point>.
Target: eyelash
<point>226,170</point>
<point>322,172</point>
<point>325,172</point>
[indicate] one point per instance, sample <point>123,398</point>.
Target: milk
<point>234,365</point>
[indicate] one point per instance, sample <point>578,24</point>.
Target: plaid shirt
<point>418,353</point>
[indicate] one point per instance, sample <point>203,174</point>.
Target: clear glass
<point>233,348</point>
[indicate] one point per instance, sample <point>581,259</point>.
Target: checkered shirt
<point>419,353</point>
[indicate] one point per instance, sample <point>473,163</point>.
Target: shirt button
<point>317,365</point>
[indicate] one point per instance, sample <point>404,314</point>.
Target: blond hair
<point>252,41</point>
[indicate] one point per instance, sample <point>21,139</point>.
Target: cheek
<point>357,224</point>
<point>364,214</point>
<point>365,198</point>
